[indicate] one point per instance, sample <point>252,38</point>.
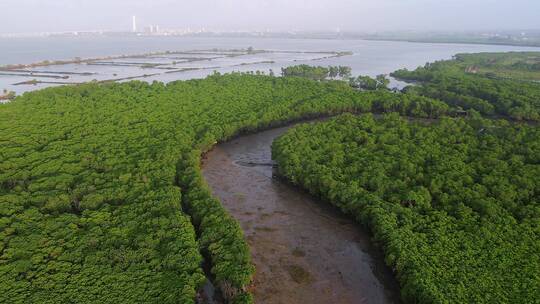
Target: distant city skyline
<point>25,16</point>
<point>134,25</point>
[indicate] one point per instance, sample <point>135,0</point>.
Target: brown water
<point>304,251</point>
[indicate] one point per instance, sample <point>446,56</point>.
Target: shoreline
<point>215,52</point>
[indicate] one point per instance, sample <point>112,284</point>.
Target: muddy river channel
<point>304,250</point>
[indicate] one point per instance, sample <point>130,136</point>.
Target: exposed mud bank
<point>304,251</point>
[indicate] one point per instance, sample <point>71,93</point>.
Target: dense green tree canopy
<point>102,198</point>
<point>479,82</point>
<point>454,203</point>
<point>96,182</point>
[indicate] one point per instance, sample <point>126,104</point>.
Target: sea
<point>368,57</point>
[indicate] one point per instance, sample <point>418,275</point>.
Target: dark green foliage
<point>458,83</point>
<point>89,211</point>
<point>454,203</point>
<point>96,181</point>
<point>221,237</point>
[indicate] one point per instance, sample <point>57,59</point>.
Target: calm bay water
<point>369,58</point>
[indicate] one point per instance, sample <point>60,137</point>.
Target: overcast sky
<point>357,15</point>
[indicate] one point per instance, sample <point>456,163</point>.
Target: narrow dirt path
<point>304,251</point>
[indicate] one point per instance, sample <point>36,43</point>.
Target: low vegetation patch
<point>492,84</point>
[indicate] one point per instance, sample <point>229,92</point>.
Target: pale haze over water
<point>368,58</point>
<point>24,16</point>
<point>190,16</point>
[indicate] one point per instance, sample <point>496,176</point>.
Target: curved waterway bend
<point>304,251</point>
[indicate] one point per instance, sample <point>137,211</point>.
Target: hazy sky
<point>357,15</point>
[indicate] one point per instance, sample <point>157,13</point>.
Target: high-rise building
<point>134,24</point>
